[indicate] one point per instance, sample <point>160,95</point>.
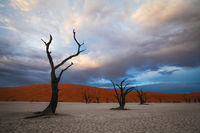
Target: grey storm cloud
<point>21,75</point>
<point>174,41</point>
<point>182,52</point>
<point>117,39</point>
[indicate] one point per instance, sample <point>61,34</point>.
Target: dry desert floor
<point>98,118</point>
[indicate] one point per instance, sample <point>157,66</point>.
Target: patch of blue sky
<point>174,75</point>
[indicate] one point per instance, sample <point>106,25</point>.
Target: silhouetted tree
<point>195,100</point>
<point>86,96</point>
<point>121,93</point>
<point>97,99</point>
<point>51,108</point>
<point>142,96</point>
<point>189,100</point>
<point>186,98</point>
<point>107,100</point>
<point>159,99</point>
<point>97,96</point>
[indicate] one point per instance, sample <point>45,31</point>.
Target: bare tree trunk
<point>123,102</point>
<point>86,96</point>
<point>97,99</point>
<point>141,100</point>
<point>160,99</point>
<point>51,108</point>
<point>54,97</point>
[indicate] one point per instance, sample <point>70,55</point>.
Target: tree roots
<point>118,108</point>
<point>46,112</point>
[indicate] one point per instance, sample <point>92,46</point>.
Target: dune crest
<point>74,93</point>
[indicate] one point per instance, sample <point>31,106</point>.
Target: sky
<point>155,44</point>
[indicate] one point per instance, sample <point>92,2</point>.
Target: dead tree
<point>142,96</point>
<point>186,98</point>
<point>97,96</point>
<point>51,108</point>
<point>97,99</point>
<point>195,100</point>
<point>121,93</point>
<point>107,100</point>
<point>160,99</point>
<point>86,96</point>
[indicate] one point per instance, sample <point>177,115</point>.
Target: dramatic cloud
<point>120,36</point>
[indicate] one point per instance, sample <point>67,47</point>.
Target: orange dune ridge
<point>75,93</point>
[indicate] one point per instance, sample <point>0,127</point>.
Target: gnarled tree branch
<point>74,55</point>
<point>64,70</point>
<point>117,95</point>
<point>49,53</point>
<point>129,90</point>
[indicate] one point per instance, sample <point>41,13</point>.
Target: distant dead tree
<point>195,100</point>
<point>97,96</point>
<point>189,100</point>
<point>121,92</point>
<point>107,100</point>
<point>97,99</point>
<point>199,99</point>
<point>159,99</point>
<point>186,98</point>
<point>142,96</point>
<point>86,96</point>
<point>51,108</point>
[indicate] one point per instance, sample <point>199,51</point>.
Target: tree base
<point>143,104</point>
<point>118,108</point>
<point>46,112</point>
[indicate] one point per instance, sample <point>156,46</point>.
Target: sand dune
<point>74,93</point>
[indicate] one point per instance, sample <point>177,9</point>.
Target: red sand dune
<point>74,93</point>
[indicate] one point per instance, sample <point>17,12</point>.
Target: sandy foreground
<point>98,118</point>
